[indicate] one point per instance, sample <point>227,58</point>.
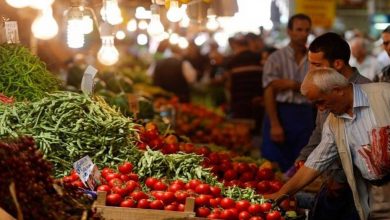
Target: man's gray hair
<point>325,79</point>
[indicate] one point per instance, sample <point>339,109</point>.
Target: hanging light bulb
<point>75,32</point>
<point>18,3</point>
<point>174,38</point>
<point>212,23</point>
<point>40,4</point>
<point>132,25</point>
<point>174,13</point>
<point>155,27</point>
<point>142,39</point>
<point>87,20</point>
<point>185,21</point>
<point>108,55</point>
<point>44,26</point>
<point>143,25</point>
<point>120,35</point>
<point>183,43</point>
<point>111,12</point>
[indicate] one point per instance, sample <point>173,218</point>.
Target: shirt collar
<point>354,76</point>
<point>359,100</point>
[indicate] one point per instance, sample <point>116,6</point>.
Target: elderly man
<point>356,131</point>
<point>386,45</point>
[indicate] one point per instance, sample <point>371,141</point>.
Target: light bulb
<point>143,25</point>
<point>212,24</point>
<point>40,4</point>
<point>185,21</point>
<point>183,43</point>
<point>155,27</point>
<point>174,13</point>
<point>111,12</point>
<point>108,55</point>
<point>120,35</point>
<point>132,25</point>
<point>75,29</point>
<point>142,39</point>
<point>87,24</point>
<point>44,26</point>
<point>174,38</point>
<point>18,3</point>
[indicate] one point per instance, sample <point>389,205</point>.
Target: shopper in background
<point>256,43</point>
<point>361,58</point>
<point>386,45</point>
<point>289,118</point>
<point>356,132</point>
<point>243,76</point>
<point>174,74</point>
<point>334,201</point>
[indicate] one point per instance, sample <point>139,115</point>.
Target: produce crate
<point>119,213</point>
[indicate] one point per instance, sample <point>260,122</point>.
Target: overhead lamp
<point>183,43</point>
<point>212,23</point>
<point>44,26</point>
<point>75,29</point>
<point>142,39</point>
<point>131,25</point>
<point>174,13</point>
<point>108,55</point>
<point>155,27</point>
<point>111,12</point>
<point>185,21</point>
<point>87,20</point>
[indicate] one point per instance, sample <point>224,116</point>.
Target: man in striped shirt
<point>357,111</point>
<point>289,118</point>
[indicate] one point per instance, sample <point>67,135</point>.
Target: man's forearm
<point>301,178</point>
<point>270,105</point>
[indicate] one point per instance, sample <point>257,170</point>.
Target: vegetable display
<point>23,75</point>
<point>68,126</point>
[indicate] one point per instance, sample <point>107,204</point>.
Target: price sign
<point>88,172</point>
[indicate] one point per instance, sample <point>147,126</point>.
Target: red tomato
<point>265,207</point>
<point>273,215</point>
<point>227,203</point>
<point>133,176</point>
<point>235,212</point>
<point>227,214</point>
<point>181,196</point>
<point>202,212</point>
<point>202,189</point>
<point>113,199</point>
<point>125,168</point>
<point>285,204</point>
<point>202,200</point>
<point>124,177</point>
<point>78,184</point>
<point>175,187</point>
<point>256,218</point>
<point>193,183</point>
<point>105,188</point>
<point>244,215</point>
<point>106,171</point>
<point>215,190</point>
<point>242,205</point>
<point>138,195</point>
<point>143,204</point>
<point>247,176</point>
<point>158,194</point>
<point>115,182</point>
<point>131,185</point>
<point>121,190</point>
<point>111,176</point>
<point>254,209</point>
<point>179,182</point>
<point>214,158</point>
<point>230,175</point>
<point>263,187</point>
<point>214,216</point>
<point>160,186</point>
<point>242,167</point>
<point>214,202</point>
<point>250,184</point>
<point>171,207</point>
<point>275,185</point>
<point>150,181</point>
<point>265,174</point>
<point>168,197</point>
<point>180,207</point>
<point>157,204</point>
<point>128,203</point>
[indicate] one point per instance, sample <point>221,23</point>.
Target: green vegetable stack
<point>67,126</point>
<point>23,75</point>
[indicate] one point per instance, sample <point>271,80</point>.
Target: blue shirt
<point>357,128</point>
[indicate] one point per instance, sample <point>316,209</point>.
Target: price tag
<point>88,172</point>
<point>87,82</point>
<point>9,32</point>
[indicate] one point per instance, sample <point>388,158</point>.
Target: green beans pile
<point>68,126</point>
<point>174,166</point>
<point>23,75</point>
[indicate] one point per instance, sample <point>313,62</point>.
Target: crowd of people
<point>324,104</point>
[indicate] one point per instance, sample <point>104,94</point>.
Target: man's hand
<point>277,133</point>
<point>272,196</point>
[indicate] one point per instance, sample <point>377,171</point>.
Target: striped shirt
<point>281,65</point>
<point>357,130</point>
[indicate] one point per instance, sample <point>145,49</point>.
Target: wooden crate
<point>120,213</point>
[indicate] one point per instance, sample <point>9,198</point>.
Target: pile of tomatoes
<point>124,189</point>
